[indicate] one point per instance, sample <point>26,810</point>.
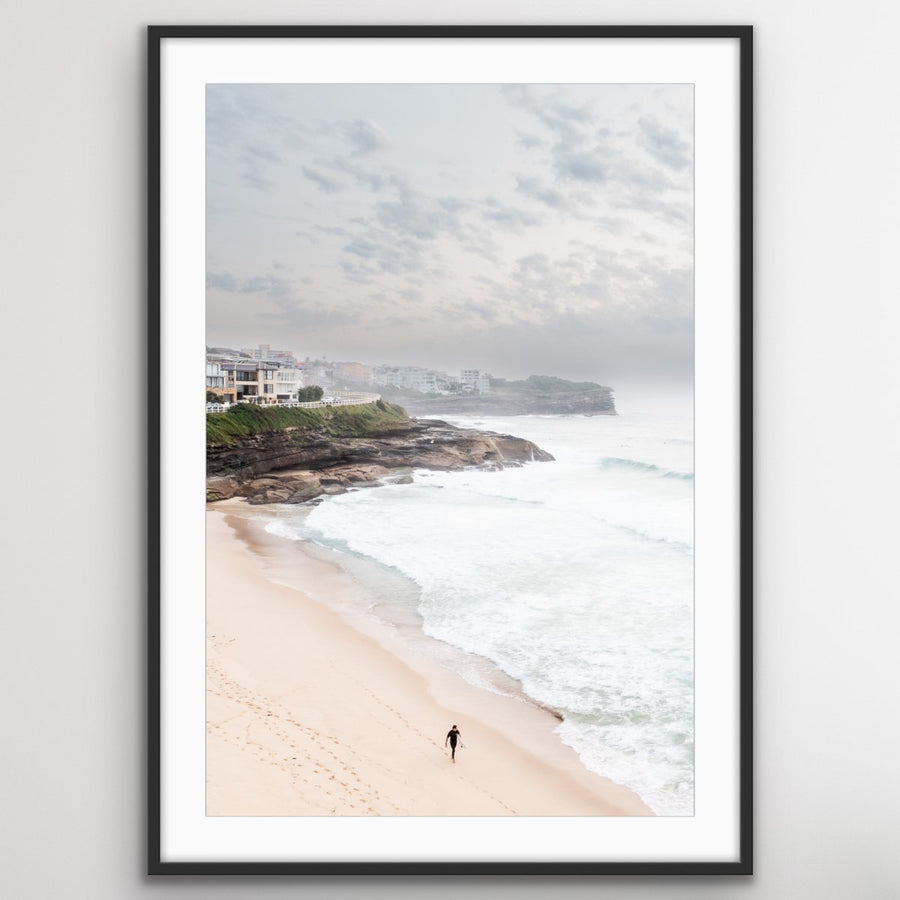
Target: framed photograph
<point>451,563</point>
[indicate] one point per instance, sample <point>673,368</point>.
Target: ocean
<point>568,581</point>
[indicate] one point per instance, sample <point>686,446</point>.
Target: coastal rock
<point>296,466</point>
<point>291,487</point>
<point>270,495</point>
<point>221,488</point>
<point>308,492</point>
<point>356,474</point>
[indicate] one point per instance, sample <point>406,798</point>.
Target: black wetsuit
<point>453,736</point>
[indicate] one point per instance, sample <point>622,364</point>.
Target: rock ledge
<point>294,466</point>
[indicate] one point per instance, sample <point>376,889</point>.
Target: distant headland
<point>535,395</point>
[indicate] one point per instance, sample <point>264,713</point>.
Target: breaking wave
<point>643,468</point>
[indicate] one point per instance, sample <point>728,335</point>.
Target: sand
<point>315,711</point>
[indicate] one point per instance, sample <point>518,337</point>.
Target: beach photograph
<point>197,637</point>
<point>449,450</point>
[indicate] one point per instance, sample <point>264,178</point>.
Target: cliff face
<point>294,465</point>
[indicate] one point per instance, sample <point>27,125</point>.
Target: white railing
<point>336,398</point>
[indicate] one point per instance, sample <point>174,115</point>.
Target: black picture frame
<point>158,863</point>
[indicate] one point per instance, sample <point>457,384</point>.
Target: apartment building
<point>251,382</point>
<point>411,378</point>
<point>475,381</point>
<point>216,382</point>
<point>287,382</point>
<point>265,353</point>
<point>215,377</point>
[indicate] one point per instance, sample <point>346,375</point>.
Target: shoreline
<point>315,708</point>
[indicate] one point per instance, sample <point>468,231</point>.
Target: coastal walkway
<point>335,398</point>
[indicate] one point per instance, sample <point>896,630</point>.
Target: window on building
<point>269,388</point>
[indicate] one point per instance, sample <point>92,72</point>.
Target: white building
<point>410,378</point>
<point>475,381</point>
<point>422,380</point>
<point>287,383</point>
<point>215,378</point>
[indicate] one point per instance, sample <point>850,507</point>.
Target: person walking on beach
<point>453,736</point>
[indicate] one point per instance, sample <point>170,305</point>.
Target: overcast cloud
<point>520,229</point>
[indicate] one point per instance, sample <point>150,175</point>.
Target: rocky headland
<point>536,395</point>
<point>296,465</point>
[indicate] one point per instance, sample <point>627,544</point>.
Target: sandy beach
<point>314,712</point>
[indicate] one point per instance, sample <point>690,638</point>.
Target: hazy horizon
<point>518,229</point>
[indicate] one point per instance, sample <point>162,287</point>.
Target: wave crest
<point>616,463</point>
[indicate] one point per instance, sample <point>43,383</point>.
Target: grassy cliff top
<point>245,420</point>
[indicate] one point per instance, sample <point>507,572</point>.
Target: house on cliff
<point>251,382</point>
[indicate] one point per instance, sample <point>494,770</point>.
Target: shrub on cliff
<point>310,394</point>
<point>245,420</point>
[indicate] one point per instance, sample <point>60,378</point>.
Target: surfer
<point>453,736</point>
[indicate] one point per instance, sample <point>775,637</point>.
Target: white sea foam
<point>573,577</point>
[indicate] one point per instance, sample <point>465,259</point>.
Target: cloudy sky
<point>522,229</point>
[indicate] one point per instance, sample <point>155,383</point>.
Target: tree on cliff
<point>310,394</point>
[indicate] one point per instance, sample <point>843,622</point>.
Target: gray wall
<point>73,281</point>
